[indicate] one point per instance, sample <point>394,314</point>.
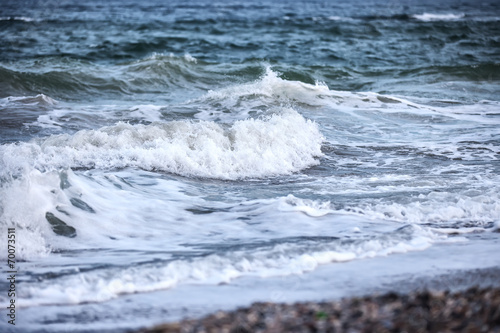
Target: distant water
<point>162,159</point>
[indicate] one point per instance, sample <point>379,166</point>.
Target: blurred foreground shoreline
<point>462,301</point>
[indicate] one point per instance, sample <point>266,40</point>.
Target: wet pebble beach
<point>472,310</point>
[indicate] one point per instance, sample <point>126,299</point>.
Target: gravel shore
<point>472,310</point>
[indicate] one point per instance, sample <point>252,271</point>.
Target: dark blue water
<point>158,158</point>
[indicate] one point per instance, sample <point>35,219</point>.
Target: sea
<point>162,160</point>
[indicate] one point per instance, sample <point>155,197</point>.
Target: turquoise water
<point>158,159</point>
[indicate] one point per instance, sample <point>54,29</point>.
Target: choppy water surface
<point>158,159</point>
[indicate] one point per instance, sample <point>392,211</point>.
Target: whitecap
<point>280,144</point>
<point>427,17</point>
<point>17,18</point>
<point>39,99</point>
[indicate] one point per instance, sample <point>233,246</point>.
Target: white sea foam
<point>17,18</point>
<point>280,144</point>
<point>313,208</point>
<point>339,18</point>
<point>190,58</point>
<point>101,205</point>
<point>271,85</point>
<point>86,116</point>
<point>39,99</point>
<point>442,207</point>
<point>427,17</point>
<point>23,203</point>
<point>170,56</point>
<point>277,260</point>
<point>439,208</point>
<point>270,89</point>
<point>146,112</point>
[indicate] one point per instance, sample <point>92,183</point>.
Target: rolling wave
<point>69,79</point>
<point>280,144</point>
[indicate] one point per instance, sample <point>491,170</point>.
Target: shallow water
<point>158,159</point>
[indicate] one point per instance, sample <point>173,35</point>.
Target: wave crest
<point>428,17</point>
<point>280,144</point>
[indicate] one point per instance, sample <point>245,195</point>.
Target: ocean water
<point>164,159</point>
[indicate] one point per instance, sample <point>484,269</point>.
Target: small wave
<point>440,209</point>
<point>165,68</point>
<point>396,17</point>
<point>270,89</point>
<point>67,78</point>
<point>68,81</point>
<point>39,99</point>
<point>17,18</point>
<point>338,18</point>
<point>427,17</point>
<point>168,57</point>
